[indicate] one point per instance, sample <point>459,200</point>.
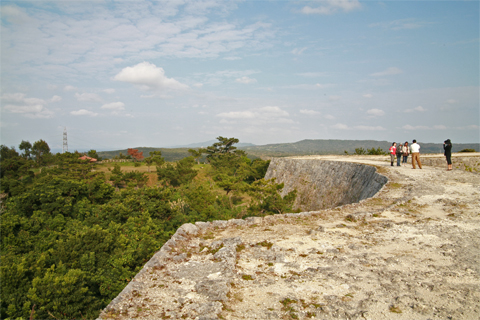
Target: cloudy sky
<point>121,74</point>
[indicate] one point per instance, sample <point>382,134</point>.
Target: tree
<point>266,198</point>
<point>93,154</point>
<point>196,154</point>
<point>223,146</point>
<point>40,149</point>
<point>179,174</point>
<point>26,146</point>
<point>360,151</point>
<point>117,175</point>
<point>155,158</point>
<point>230,166</point>
<point>378,151</point>
<point>137,156</point>
<point>7,153</point>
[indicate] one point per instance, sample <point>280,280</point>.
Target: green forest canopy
<point>73,233</point>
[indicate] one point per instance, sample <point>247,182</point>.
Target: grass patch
<point>395,309</point>
<point>240,247</point>
<point>266,244</point>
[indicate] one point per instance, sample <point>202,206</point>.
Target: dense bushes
<point>70,242</point>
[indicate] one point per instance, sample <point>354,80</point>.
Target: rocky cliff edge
<point>412,251</point>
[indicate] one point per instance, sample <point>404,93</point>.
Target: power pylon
<point>65,143</point>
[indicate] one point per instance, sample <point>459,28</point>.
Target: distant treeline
<point>304,147</point>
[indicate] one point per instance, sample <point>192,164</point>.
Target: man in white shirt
<point>415,151</point>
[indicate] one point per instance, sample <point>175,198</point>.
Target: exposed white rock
<point>410,252</point>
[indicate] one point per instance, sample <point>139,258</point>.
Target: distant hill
<point>322,147</point>
<point>209,143</point>
<point>304,147</point>
<point>170,154</point>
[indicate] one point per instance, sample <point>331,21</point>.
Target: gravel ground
<point>410,252</point>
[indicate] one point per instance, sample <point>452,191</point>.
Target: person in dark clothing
<point>447,151</point>
<point>399,152</point>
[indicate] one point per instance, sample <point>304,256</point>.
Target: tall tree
<point>26,147</point>
<point>40,149</point>
<point>7,153</point>
<point>179,174</point>
<point>93,154</point>
<point>223,146</point>
<point>196,154</point>
<point>155,158</point>
<point>137,156</point>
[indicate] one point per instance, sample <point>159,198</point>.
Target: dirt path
<point>410,252</point>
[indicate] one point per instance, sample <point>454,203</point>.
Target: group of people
<point>403,150</point>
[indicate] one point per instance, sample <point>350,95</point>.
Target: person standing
<point>405,153</point>
<point>415,151</point>
<point>399,154</point>
<point>393,150</point>
<point>447,151</point>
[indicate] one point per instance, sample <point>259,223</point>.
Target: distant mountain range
<point>304,147</point>
<point>209,143</point>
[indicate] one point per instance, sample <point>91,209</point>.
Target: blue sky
<point>161,73</point>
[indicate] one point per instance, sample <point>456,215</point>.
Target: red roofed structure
<point>88,158</point>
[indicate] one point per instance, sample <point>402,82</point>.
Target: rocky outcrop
<point>323,184</point>
<point>409,252</point>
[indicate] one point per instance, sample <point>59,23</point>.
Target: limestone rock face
<point>322,184</point>
<point>411,251</point>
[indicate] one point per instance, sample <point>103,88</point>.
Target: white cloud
<point>269,114</point>
<point>109,91</point>
<point>149,77</point>
<point>329,117</point>
<point>88,97</point>
<point>471,127</point>
<point>28,107</point>
<point>409,127</point>
<point>198,85</point>
<point>56,99</point>
<point>299,51</point>
<point>416,109</point>
<point>14,14</point>
<point>69,88</point>
<point>370,128</point>
<point>402,24</point>
<point>387,72</point>
<point>237,115</point>
<point>246,80</point>
<point>36,111</point>
<point>376,112</point>
<point>440,127</point>
<point>83,112</point>
<point>368,95</point>
<point>117,106</point>
<point>332,6</point>
<point>309,112</point>
<point>340,126</point>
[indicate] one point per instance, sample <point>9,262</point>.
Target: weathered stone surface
<point>322,184</point>
<point>413,248</point>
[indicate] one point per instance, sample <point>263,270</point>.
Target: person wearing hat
<point>447,151</point>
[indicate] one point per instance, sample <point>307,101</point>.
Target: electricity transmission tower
<point>65,143</point>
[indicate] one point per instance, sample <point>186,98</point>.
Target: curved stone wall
<point>322,184</point>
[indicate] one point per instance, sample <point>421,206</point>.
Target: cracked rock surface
<point>410,252</point>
